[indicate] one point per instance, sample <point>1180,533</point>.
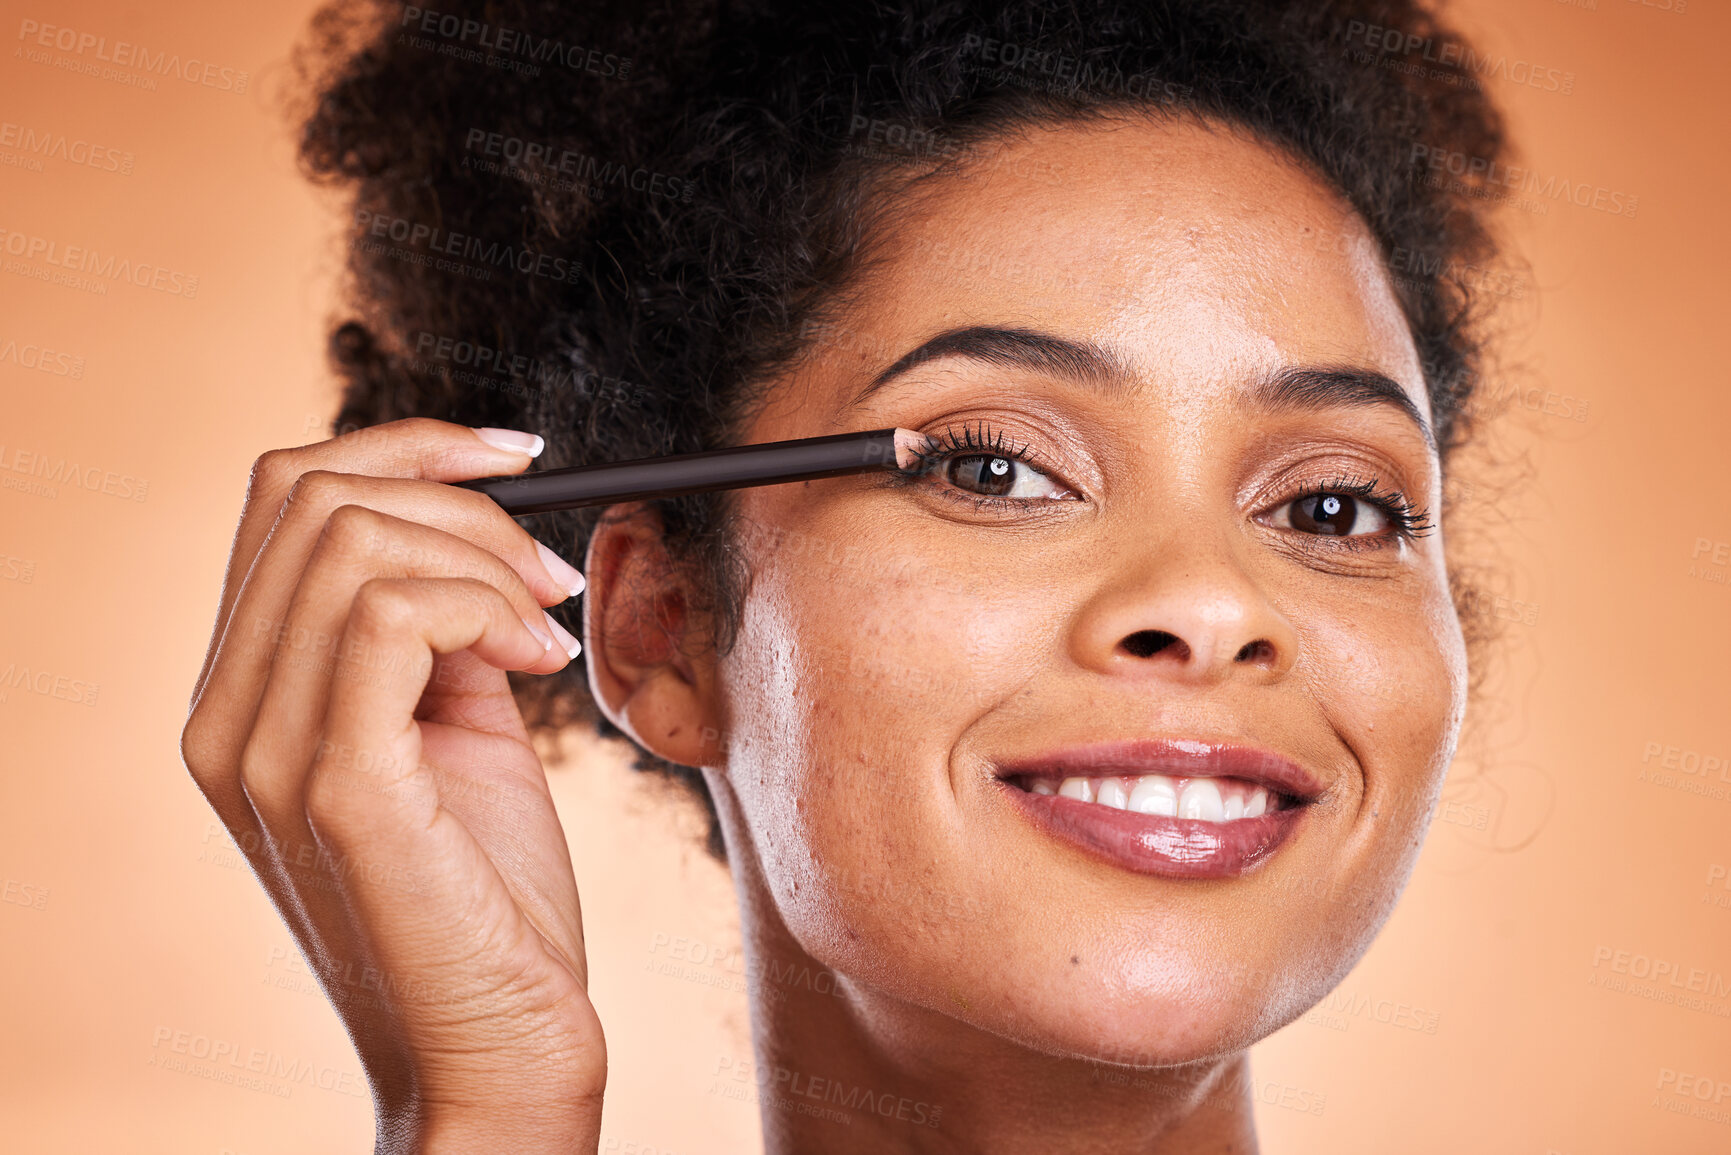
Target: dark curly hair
<point>611,223</point>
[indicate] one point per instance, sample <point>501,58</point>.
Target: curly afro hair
<point>609,223</point>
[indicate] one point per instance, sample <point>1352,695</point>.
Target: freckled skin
<point>985,966</point>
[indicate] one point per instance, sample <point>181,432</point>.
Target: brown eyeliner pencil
<point>737,467</point>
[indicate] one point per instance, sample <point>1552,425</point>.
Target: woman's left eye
<point>992,476</point>
<point>1332,515</point>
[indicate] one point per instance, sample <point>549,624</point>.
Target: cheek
<point>1392,683</point>
<point>848,687</point>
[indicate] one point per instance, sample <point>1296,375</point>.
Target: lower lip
<point>1156,844</point>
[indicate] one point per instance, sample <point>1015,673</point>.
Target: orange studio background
<point>1556,981</point>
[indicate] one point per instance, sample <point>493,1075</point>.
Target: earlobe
<point>650,662</point>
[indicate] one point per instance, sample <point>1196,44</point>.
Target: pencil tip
<point>908,446</point>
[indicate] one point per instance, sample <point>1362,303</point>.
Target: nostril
<point>1147,643</point>
<point>1258,651</point>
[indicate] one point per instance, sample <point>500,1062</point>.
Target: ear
<point>650,653</point>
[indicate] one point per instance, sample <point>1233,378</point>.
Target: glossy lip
<point>1152,843</point>
<point>1176,757</point>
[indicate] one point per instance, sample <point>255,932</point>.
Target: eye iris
<point>1326,513</point>
<point>979,473</point>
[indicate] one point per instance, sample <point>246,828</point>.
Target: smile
<point>1201,799</point>
<point>1177,809</point>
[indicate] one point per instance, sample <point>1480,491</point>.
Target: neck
<point>846,1068</point>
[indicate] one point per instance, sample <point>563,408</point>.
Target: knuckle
<point>494,574</point>
<point>426,438</point>
<point>197,749</point>
<point>323,807</point>
<point>315,490</point>
<point>210,761</point>
<point>383,605</point>
<point>482,595</point>
<point>484,510</point>
<point>351,528</point>
<point>255,776</point>
<point>272,468</point>
<point>329,809</point>
<point>423,428</point>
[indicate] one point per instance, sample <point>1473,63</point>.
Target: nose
<point>1195,616</point>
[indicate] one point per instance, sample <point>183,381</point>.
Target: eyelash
<point>974,439</point>
<point>1406,520</point>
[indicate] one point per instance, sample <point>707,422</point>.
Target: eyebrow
<point>1080,361</point>
<point>1294,388</point>
<point>1308,389</point>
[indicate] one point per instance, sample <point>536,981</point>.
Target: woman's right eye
<point>994,476</point>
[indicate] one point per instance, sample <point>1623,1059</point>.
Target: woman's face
<point>1161,571</point>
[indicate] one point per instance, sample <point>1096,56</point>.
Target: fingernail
<point>541,635</point>
<point>564,574</point>
<point>569,644</point>
<point>512,440</point>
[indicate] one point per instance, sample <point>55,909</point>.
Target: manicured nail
<point>541,635</point>
<point>513,441</point>
<point>564,574</point>
<point>569,644</point>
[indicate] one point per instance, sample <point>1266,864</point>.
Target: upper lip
<point>1175,757</point>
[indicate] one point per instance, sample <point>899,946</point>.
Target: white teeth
<point>1112,793</point>
<point>1077,788</point>
<point>1201,799</point>
<point>1155,794</point>
<point>1197,799</point>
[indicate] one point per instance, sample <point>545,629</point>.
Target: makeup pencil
<point>737,467</point>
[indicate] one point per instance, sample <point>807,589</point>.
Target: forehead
<point>1195,252</point>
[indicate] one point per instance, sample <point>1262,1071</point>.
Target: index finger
<point>415,447</point>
